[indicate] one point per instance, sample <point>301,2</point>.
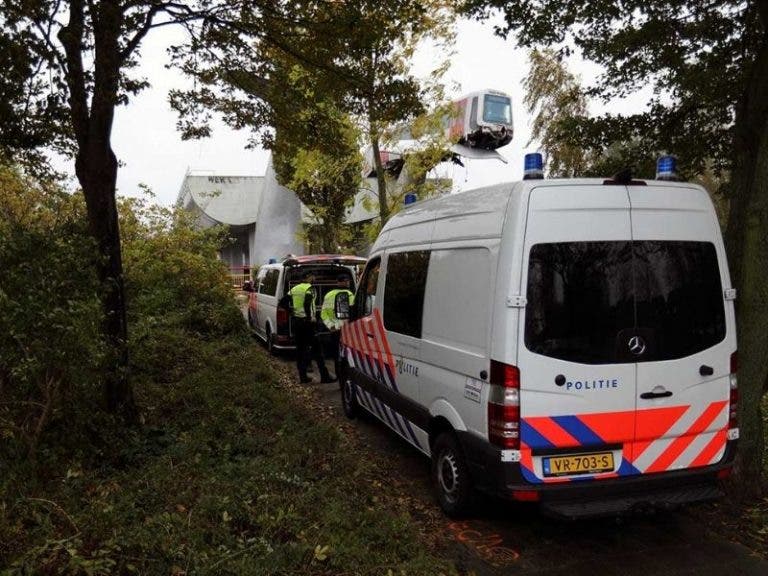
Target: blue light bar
<point>409,199</point>
<point>666,168</point>
<point>272,261</point>
<point>533,166</point>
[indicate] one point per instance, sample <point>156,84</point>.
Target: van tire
<point>450,475</point>
<point>348,394</point>
<point>270,341</point>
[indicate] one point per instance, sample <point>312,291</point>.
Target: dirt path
<point>505,538</point>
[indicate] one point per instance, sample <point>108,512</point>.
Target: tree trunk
<point>96,169</point>
<point>332,230</point>
<point>747,237</point>
<point>381,179</point>
<point>329,237</point>
<point>97,172</point>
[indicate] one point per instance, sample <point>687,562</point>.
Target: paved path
<point>506,538</point>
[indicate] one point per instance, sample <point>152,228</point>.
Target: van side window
<point>268,285</point>
<point>366,290</point>
<point>274,275</point>
<point>259,280</point>
<point>404,292</point>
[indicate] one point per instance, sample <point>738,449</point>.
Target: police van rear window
<point>326,278</point>
<point>583,297</point>
<point>679,296</point>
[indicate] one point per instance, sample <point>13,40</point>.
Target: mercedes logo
<point>636,345</point>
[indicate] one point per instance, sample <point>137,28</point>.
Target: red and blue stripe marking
<point>635,431</point>
<point>373,358</point>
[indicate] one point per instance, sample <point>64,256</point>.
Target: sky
<point>152,153</point>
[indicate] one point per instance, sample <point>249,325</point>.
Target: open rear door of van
<point>688,329</point>
<point>577,399</point>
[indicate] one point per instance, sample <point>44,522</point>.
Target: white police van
<point>268,306</point>
<point>570,342</point>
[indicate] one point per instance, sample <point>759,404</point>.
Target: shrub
<point>173,276</point>
<point>176,288</point>
<point>50,313</point>
<point>49,310</point>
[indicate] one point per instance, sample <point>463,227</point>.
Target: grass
<point>230,473</point>
<point>745,522</point>
<point>752,525</point>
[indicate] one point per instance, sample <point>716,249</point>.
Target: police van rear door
<point>577,400</point>
<point>687,328</point>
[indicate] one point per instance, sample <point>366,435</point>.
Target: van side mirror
<point>341,306</point>
<point>248,286</point>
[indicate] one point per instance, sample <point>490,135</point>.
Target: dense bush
<point>173,277</point>
<point>49,311</point>
<point>176,288</point>
<point>50,343</point>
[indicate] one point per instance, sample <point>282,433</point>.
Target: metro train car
<point>482,120</point>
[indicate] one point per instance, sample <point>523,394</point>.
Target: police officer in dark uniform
<point>303,309</point>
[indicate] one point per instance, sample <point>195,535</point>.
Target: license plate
<point>578,464</point>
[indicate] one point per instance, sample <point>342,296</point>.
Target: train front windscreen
<point>497,109</point>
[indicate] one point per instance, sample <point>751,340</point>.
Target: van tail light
<point>733,406</point>
<point>724,473</point>
<point>504,406</point>
<point>525,495</point>
<point>282,317</point>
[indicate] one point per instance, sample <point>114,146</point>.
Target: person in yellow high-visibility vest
<point>331,320</point>
<point>302,301</point>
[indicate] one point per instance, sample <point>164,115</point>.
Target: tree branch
<point>178,12</point>
<point>59,509</point>
<point>71,38</point>
<point>134,42</point>
<point>106,33</point>
<point>45,33</point>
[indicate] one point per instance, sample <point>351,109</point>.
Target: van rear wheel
<point>450,476</point>
<point>270,342</point>
<point>348,393</point>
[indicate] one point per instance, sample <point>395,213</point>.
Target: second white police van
<point>570,342</point>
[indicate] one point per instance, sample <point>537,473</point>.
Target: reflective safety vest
<point>298,294</point>
<point>328,311</point>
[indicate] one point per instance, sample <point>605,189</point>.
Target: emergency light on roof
<point>409,199</point>
<point>533,167</point>
<point>666,168</point>
<point>272,261</point>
